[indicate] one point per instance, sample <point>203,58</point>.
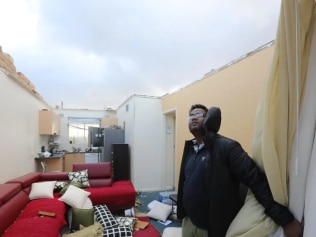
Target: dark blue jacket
<point>230,167</point>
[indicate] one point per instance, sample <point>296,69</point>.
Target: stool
<point>44,166</point>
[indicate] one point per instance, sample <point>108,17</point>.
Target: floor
<point>143,199</point>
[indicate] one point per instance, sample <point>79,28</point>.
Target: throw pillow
<point>74,196</point>
<point>160,211</point>
<point>84,217</point>
<point>126,221</point>
<point>105,217</point>
<point>95,230</point>
<point>64,189</point>
<point>118,231</point>
<point>87,205</point>
<point>80,177</point>
<point>42,190</point>
<point>59,185</point>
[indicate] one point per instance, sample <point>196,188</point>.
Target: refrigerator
<point>111,136</point>
<point>103,138</point>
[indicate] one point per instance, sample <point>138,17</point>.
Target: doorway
<point>169,164</point>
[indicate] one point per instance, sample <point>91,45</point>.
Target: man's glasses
<point>197,115</point>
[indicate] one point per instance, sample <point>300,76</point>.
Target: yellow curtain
<point>276,116</point>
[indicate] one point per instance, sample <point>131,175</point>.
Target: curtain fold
<point>276,118</point>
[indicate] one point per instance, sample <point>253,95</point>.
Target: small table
<point>174,199</point>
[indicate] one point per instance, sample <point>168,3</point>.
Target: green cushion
<point>84,217</point>
<point>64,189</point>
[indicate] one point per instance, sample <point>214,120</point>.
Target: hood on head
<point>213,118</point>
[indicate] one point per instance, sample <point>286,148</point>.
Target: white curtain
<point>276,119</point>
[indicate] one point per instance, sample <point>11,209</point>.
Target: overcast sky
<point>95,54</point>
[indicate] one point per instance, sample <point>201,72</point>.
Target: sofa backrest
<point>58,176</point>
<point>26,180</point>
<point>99,174</point>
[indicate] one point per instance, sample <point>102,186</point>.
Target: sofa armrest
<point>7,191</point>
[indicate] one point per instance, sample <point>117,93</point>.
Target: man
<point>212,170</point>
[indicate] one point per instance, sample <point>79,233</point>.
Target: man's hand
<point>293,229</point>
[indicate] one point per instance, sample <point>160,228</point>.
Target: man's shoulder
<point>222,138</point>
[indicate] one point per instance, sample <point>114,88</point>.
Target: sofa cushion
<point>124,189</point>
<point>100,174</point>
<point>75,197</point>
<point>80,176</point>
<point>35,226</point>
<point>46,204</point>
<point>42,190</point>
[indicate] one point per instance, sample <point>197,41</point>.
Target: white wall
<point>143,124</point>
<point>20,141</point>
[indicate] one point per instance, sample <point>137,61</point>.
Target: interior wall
<point>142,120</point>
<point>235,89</point>
<point>20,141</point>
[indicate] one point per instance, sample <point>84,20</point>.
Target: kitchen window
<point>78,130</point>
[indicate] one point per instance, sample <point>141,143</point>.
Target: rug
<point>149,231</point>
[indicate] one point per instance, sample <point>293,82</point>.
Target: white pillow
<point>160,211</point>
<point>172,232</point>
<point>42,190</point>
<point>75,197</point>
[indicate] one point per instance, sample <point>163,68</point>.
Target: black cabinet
<point>121,162</point>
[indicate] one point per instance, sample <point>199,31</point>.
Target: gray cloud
<point>98,53</point>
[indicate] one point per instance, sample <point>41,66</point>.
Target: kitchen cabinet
<point>49,123</point>
<point>92,157</point>
<point>73,158</point>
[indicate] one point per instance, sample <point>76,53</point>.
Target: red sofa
<point>14,198</point>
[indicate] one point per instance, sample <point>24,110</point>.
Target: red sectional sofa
<point>19,215</point>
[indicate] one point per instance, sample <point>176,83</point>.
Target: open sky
<point>95,54</point>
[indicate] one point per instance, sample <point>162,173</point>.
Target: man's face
<point>196,118</point>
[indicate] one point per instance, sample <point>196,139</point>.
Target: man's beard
<point>197,131</point>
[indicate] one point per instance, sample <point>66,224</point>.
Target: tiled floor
<point>143,199</point>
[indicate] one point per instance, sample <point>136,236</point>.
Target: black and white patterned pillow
<point>119,231</point>
<point>105,217</point>
<point>126,221</point>
<point>59,185</point>
<point>80,177</point>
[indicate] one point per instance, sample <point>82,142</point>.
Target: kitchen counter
<point>52,163</point>
<point>54,156</point>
